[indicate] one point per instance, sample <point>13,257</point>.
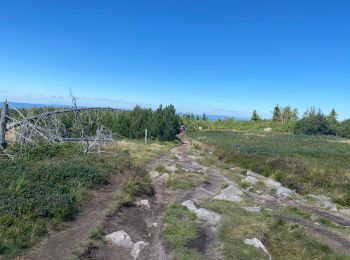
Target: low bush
<point>48,186</point>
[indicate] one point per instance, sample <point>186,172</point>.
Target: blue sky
<point>223,57</point>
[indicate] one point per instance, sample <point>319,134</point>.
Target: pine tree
<point>332,117</point>
<point>276,114</point>
<point>255,117</point>
<point>204,117</point>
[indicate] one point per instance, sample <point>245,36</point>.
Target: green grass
<point>297,212</point>
<point>283,240</point>
<point>308,164</point>
<point>180,228</point>
<point>38,192</point>
<point>183,183</point>
<point>161,168</point>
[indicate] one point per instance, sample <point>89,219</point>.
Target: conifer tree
<point>276,114</point>
<point>255,117</point>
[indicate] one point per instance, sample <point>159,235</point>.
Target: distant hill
<point>217,117</point>
<point>26,105</point>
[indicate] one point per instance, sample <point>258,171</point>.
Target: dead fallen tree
<point>51,127</point>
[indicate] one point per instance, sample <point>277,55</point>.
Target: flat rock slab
<point>324,202</point>
<point>284,192</point>
<point>210,216</point>
<point>231,193</point>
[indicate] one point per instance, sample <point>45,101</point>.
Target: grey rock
<point>210,216</point>
<point>145,204</point>
<point>154,174</point>
<point>324,202</point>
<point>120,238</point>
<point>137,248</point>
<point>231,193</point>
<point>284,192</point>
<point>272,184</point>
<point>345,211</point>
<point>250,180</point>
<point>257,244</point>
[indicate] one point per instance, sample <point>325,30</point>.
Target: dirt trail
<point>137,222</point>
<point>60,245</point>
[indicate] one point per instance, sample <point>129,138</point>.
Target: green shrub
<point>345,128</point>
<point>37,194</point>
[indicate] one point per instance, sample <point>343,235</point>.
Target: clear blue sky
<point>218,56</point>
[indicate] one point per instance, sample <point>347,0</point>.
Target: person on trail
<point>182,130</point>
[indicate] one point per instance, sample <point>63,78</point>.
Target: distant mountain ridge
<point>26,105</point>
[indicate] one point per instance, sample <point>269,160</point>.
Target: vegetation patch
<point>307,164</point>
<point>185,180</point>
<point>297,212</point>
<point>180,228</point>
<point>36,195</point>
<point>283,240</point>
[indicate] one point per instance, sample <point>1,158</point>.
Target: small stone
<point>189,205</point>
<point>171,168</point>
<point>250,180</point>
<point>120,238</point>
<point>254,174</point>
<point>210,216</point>
<point>272,184</point>
<point>268,129</point>
<point>145,204</point>
<point>164,176</point>
<point>284,192</point>
<point>178,156</point>
<point>231,193</point>
<point>154,174</point>
<point>155,224</point>
<point>137,248</point>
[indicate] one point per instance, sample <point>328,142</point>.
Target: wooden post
<point>3,122</point>
<point>145,136</point>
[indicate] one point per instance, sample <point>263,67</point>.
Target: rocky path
<point>143,224</point>
<point>60,245</point>
<point>135,232</point>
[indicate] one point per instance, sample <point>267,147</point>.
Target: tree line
<point>313,122</point>
<point>162,123</point>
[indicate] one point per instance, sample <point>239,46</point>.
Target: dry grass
<point>140,152</point>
